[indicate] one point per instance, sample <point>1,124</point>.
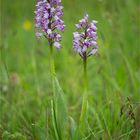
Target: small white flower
<point>46,15</point>
<point>76,35</point>
<point>94,51</point>
<point>39,34</point>
<point>57,45</point>
<point>49,31</point>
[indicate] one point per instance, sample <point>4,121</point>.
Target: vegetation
<point>27,108</point>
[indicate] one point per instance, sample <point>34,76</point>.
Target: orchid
<point>48,21</point>
<point>85,38</point>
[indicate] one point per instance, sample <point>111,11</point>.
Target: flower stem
<point>52,71</point>
<point>84,104</point>
<point>52,66</point>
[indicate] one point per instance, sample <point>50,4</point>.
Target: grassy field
<point>113,75</point>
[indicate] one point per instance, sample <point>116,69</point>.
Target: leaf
<point>54,121</point>
<point>73,129</point>
<point>39,132</point>
<point>60,105</point>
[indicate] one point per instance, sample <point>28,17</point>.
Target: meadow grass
<point>26,105</point>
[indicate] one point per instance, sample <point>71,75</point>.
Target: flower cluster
<point>48,20</point>
<point>85,42</point>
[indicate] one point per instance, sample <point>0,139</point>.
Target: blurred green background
<point>113,75</point>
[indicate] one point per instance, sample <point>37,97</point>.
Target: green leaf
<point>60,105</point>
<point>74,134</point>
<point>54,121</point>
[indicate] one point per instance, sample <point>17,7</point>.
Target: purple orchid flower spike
<point>85,42</point>
<point>48,21</point>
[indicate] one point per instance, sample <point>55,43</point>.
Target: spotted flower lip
<point>48,20</point>
<point>85,38</point>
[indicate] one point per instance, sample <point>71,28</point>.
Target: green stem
<point>52,66</point>
<point>84,104</point>
<point>85,75</point>
<point>52,71</point>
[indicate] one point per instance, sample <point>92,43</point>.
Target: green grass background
<point>113,75</point>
